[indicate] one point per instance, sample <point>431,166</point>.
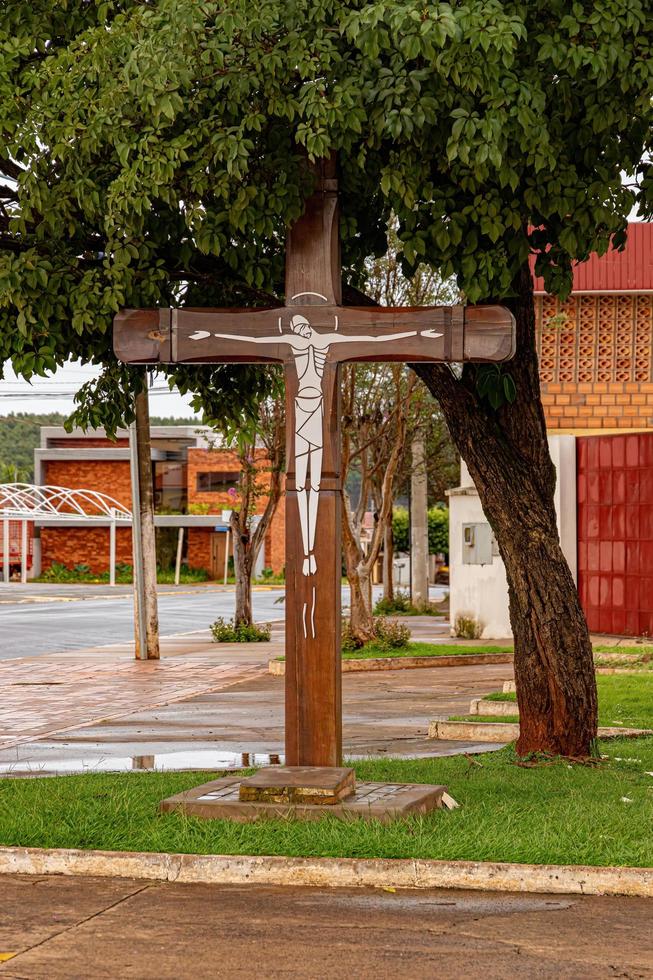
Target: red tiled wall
<point>615,532</point>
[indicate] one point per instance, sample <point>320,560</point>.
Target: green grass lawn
<point>558,813</point>
<point>623,700</point>
<point>371,650</point>
<point>643,649</point>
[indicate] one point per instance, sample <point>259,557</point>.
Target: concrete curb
<point>493,709</point>
<point>330,872</point>
<point>278,667</point>
<point>504,731</point>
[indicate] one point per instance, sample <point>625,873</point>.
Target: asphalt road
<point>39,619</point>
<point>43,618</point>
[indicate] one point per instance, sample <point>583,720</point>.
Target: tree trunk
<point>243,571</point>
<point>361,605</point>
<point>388,563</point>
<point>508,458</point>
<point>148,534</point>
<point>419,526</point>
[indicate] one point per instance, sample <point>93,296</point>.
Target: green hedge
<point>438,530</point>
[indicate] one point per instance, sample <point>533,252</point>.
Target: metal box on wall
<point>477,544</point>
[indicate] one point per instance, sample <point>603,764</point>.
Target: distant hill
<point>20,436</point>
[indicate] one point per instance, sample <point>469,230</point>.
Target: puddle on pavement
<point>161,762</point>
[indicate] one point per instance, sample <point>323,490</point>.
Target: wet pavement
<point>203,705</point>
<point>60,928</point>
<point>384,714</point>
<point>207,705</point>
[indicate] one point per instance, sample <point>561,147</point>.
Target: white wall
<point>481,591</point>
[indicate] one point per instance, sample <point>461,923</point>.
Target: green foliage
<point>495,384</point>
<point>400,605</point>
<point>389,634</point>
<point>400,529</point>
<point>153,154</point>
<point>226,631</point>
<point>438,525</point>
<point>58,572</point>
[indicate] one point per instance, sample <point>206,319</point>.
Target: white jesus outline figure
<point>310,350</point>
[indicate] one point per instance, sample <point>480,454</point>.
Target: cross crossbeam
<point>311,336</point>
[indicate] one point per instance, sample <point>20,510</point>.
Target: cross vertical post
<point>313,677</point>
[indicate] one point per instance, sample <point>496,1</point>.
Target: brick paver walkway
<point>43,696</point>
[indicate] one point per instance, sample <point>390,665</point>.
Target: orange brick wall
<point>214,460</point>
<point>87,545</point>
<point>110,477</point>
<point>91,546</point>
<point>198,553</point>
<point>84,546</point>
<point>596,361</point>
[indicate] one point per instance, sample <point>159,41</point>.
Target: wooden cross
<point>311,336</point>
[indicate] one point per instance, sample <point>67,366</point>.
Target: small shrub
<point>467,627</point>
<point>402,606</point>
<point>390,634</point>
<point>348,642</point>
<point>226,631</point>
<point>399,604</point>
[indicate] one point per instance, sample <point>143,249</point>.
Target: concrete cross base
<point>323,785</point>
<point>227,799</point>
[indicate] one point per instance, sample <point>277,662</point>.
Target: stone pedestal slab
<point>323,785</point>
<point>220,799</point>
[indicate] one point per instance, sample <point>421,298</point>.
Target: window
<point>169,486</point>
<point>217,482</point>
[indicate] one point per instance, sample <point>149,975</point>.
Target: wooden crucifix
<point>311,336</point>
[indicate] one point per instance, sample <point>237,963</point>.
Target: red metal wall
<point>615,532</point>
<point>626,271</point>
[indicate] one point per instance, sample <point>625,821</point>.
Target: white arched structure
<point>26,502</point>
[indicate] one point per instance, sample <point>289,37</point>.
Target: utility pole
<point>143,533</point>
<point>419,529</point>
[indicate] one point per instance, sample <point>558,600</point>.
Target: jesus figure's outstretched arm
<point>275,339</point>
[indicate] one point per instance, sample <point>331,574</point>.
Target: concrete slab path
<point>208,706</point>
<point>67,928</point>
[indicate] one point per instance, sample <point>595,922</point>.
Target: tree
<point>261,455</point>
<point>388,285</point>
<point>151,150</point>
<point>376,407</point>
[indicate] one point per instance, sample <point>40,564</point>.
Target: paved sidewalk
<point>67,928</point>
<point>57,693</point>
<point>207,705</point>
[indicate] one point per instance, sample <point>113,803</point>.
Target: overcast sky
<point>55,393</point>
